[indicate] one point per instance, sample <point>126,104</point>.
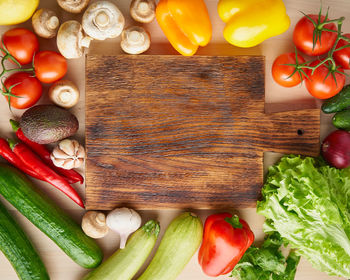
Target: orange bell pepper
<point>185,23</point>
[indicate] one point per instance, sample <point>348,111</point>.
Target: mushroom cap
<point>94,224</point>
<point>73,6</point>
<point>71,40</point>
<point>143,10</point>
<point>64,93</point>
<point>103,20</point>
<point>45,23</point>
<point>135,40</point>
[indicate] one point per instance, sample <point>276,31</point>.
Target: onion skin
<point>336,149</point>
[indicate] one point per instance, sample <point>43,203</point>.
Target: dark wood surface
<point>179,132</point>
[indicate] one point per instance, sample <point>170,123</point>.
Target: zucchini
<point>341,120</point>
<point>19,250</point>
<point>125,263</point>
<point>338,102</point>
<point>179,243</point>
<point>48,217</point>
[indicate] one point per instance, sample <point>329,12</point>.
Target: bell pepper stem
<point>234,221</point>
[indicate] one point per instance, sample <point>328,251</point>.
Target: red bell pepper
<point>225,240</point>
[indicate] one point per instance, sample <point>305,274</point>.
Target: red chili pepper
<point>33,161</point>
<point>11,157</point>
<point>225,240</point>
<point>70,175</point>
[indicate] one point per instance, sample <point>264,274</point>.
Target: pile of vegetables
<point>308,203</point>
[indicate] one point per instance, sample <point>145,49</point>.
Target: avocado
<point>46,124</point>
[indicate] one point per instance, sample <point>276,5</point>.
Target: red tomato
<point>281,73</point>
<point>304,33</point>
<point>21,43</point>
<point>342,57</point>
<point>321,87</point>
<point>28,89</point>
<point>49,66</point>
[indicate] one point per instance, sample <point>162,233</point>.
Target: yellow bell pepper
<point>250,22</point>
<point>16,11</point>
<point>185,23</point>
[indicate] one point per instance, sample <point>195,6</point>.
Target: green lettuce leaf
<point>267,262</point>
<point>308,203</point>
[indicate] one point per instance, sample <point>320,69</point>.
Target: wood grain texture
<point>177,132</point>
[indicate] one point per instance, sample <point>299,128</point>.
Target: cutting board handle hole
<point>300,132</point>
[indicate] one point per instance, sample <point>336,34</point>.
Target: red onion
<point>336,149</point>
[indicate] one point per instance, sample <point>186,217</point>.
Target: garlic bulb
<point>68,154</point>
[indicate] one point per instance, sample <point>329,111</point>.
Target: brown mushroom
<point>71,41</point>
<point>135,40</point>
<point>73,6</point>
<point>94,224</point>
<point>45,23</point>
<point>64,93</point>
<point>143,10</point>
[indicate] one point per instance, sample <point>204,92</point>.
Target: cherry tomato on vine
<point>322,84</point>
<point>21,43</point>
<point>286,75</point>
<point>305,31</point>
<point>342,57</point>
<point>49,66</point>
<point>25,86</point>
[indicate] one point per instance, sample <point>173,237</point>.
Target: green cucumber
<point>341,120</point>
<point>125,263</point>
<point>338,102</point>
<point>179,243</point>
<point>17,189</point>
<point>19,250</point>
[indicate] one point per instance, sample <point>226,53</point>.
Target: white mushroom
<point>73,6</point>
<point>135,40</point>
<point>68,154</point>
<point>45,23</point>
<point>64,93</point>
<point>143,10</point>
<point>103,20</point>
<point>94,224</point>
<point>123,221</point>
<point>71,41</point>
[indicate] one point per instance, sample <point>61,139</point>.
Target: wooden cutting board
<point>183,132</point>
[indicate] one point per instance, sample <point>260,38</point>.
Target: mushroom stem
<point>53,22</point>
<point>101,19</point>
<point>85,42</point>
<point>101,219</point>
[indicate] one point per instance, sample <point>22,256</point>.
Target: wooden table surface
<point>61,267</point>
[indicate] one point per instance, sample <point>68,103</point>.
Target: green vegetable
<point>19,250</point>
<point>50,219</point>
<point>267,262</point>
<point>308,203</point>
<point>124,263</point>
<point>338,102</point>
<point>341,120</point>
<point>179,243</point>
